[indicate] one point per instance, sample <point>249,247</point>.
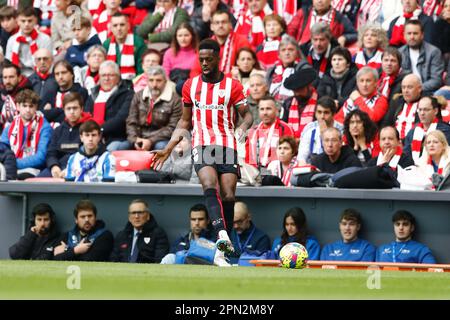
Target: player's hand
<point>159,157</point>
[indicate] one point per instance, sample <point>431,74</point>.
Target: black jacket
<point>405,161</point>
<point>346,159</point>
<point>327,86</point>
<point>442,126</point>
<point>441,35</point>
<point>57,114</point>
<point>117,108</point>
<point>99,251</point>
<point>34,247</point>
<point>64,142</point>
<point>42,87</point>
<point>152,243</point>
<point>8,159</point>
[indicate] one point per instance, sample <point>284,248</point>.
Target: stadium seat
<point>132,160</point>
<point>45,179</point>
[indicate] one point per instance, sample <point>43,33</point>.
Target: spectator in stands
<point>250,21</point>
<point>150,58</point>
<point>350,248</point>
<point>257,88</point>
<point>289,57</point>
<point>366,97</point>
<point>246,65</point>
<point>109,105</point>
<point>335,156</point>
<point>360,134</point>
<point>372,41</point>
<point>38,242</point>
<point>92,162</point>
<point>53,102</point>
<point>429,111</point>
<point>160,25</point>
<point>46,10</point>
<point>348,8</point>
<point>61,28</point>
<point>23,44</point>
<point>9,26</point>
<point>369,12</point>
<point>180,164</point>
<point>262,140</point>
<point>441,32</point>
<point>318,50</point>
<point>8,160</point>
<point>124,47</point>
<point>295,229</point>
<point>311,138</point>
<point>28,135</point>
<point>84,38</point>
<point>421,58</point>
<point>42,79</point>
<point>102,23</point>
<point>391,152</point>
<point>65,139</point>
<point>435,158</point>
<point>445,90</point>
<point>391,75</point>
<point>403,110</point>
<point>321,10</point>
<point>154,113</point>
<point>404,249</point>
<point>88,76</point>
<point>142,240</point>
<point>298,110</point>
<point>229,41</point>
<point>411,12</point>
<point>267,51</point>
<point>12,83</point>
<point>202,16</point>
<point>182,54</point>
<point>286,160</point>
<point>340,81</point>
<point>245,236</point>
<point>89,240</point>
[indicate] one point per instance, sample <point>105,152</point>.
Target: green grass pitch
<point>48,280</point>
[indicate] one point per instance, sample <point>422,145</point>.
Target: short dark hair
<point>210,44</point>
<point>8,12</point>
<point>9,65</point>
<point>83,22</point>
<point>397,135</point>
<point>29,96</point>
<point>343,52</point>
<point>199,207</point>
<point>392,51</point>
<point>404,215</point>
<point>65,64</point>
<point>351,214</point>
<point>291,141</point>
<point>221,11</point>
<point>327,103</point>
<point>414,22</point>
<point>42,208</point>
<point>86,205</point>
<point>90,126</point>
<point>28,12</point>
<point>120,14</point>
<point>73,96</point>
<point>151,51</point>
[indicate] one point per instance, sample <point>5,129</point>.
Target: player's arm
<point>183,125</point>
<point>247,121</point>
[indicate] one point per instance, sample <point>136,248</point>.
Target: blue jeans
<point>119,145</point>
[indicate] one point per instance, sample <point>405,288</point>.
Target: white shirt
<point>414,54</point>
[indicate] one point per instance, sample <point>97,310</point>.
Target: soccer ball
<point>293,255</point>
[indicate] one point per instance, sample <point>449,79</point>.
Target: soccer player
<point>210,101</point>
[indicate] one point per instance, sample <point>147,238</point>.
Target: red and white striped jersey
<point>213,112</point>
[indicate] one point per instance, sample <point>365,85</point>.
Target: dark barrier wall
<point>170,205</point>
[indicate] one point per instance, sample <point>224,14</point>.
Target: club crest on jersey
<point>222,93</point>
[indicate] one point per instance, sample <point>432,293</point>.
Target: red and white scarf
<point>90,81</point>
<point>349,104</point>
<point>297,121</point>
<point>323,60</point>
<point>266,139</point>
<point>13,3</point>
<point>98,114</point>
<point>406,118</point>
<point>339,5</point>
<point>385,84</point>
<point>432,8</point>
<point>127,61</point>
<point>281,73</point>
<point>16,132</point>
<point>374,62</point>
<point>394,161</point>
<point>252,26</point>
<point>30,40</point>
<point>276,168</point>
<point>59,99</point>
<point>167,22</point>
<point>441,166</point>
<point>369,11</point>
<point>9,110</point>
<point>397,37</point>
<point>95,7</point>
<point>228,49</point>
<point>102,25</point>
<point>418,136</point>
<point>313,18</point>
<point>285,9</point>
<point>269,53</point>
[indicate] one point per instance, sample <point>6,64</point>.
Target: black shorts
<point>223,159</point>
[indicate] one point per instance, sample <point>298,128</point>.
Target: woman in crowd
<point>287,160</point>
<point>295,230</point>
<point>436,156</point>
<point>267,52</point>
<point>372,40</point>
<point>246,65</point>
<point>88,76</point>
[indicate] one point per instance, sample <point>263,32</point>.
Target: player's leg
<point>228,183</point>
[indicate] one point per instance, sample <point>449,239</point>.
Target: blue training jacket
<point>312,246</point>
<point>358,250</point>
<point>407,252</point>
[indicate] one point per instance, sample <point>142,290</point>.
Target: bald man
<point>42,79</point>
<point>246,238</point>
<point>402,113</point>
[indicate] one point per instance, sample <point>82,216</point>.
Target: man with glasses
<point>142,240</point>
